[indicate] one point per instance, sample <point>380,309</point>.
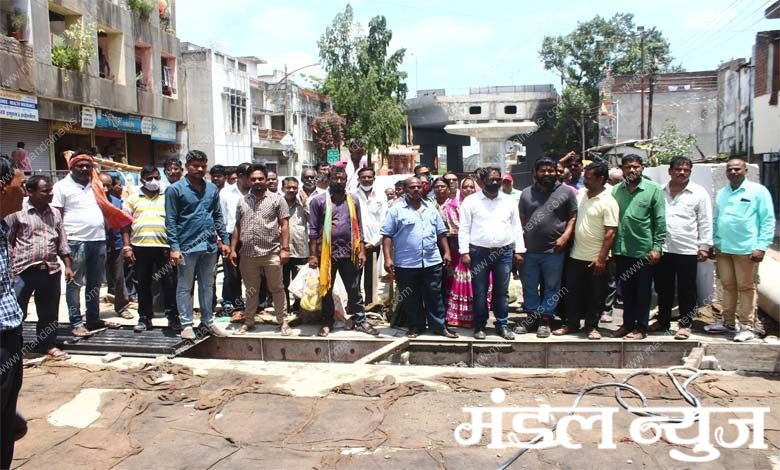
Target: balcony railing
<point>270,134</point>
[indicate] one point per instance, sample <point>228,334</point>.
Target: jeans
<point>46,288</point>
<point>418,286</point>
<point>584,294</point>
<point>115,275</point>
<point>88,263</point>
<point>484,262</point>
<point>152,265</point>
<point>636,278</point>
<point>10,384</point>
<point>676,272</point>
<point>231,286</point>
<point>202,265</point>
<point>549,268</point>
<point>350,275</point>
<point>289,271</point>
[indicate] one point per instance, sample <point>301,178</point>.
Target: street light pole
<point>641,30</point>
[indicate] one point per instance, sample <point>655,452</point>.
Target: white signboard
<point>88,117</point>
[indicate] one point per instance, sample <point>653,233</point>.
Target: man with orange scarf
<point>336,234</point>
<point>85,214</point>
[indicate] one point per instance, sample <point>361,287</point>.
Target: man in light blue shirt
<point>410,234</point>
<point>744,225</point>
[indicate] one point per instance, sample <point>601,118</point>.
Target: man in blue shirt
<point>193,220</point>
<point>11,196</point>
<point>115,263</point>
<point>744,225</point>
<point>410,233</point>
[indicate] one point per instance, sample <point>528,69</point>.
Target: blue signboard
<point>163,130</point>
<point>117,121</point>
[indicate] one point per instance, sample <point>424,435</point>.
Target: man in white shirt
<point>229,198</point>
<point>688,242</point>
<point>490,233</point>
<point>86,231</point>
<point>373,206</point>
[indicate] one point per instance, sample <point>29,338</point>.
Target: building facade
<point>90,74</point>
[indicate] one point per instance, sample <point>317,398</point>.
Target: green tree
<point>363,81</point>
<point>671,143</point>
<point>582,57</point>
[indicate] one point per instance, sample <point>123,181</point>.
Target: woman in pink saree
<point>459,303</point>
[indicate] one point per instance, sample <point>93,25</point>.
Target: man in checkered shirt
<point>11,196</point>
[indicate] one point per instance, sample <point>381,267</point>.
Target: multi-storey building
<point>90,73</point>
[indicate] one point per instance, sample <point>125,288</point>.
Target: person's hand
<point>314,263</point>
<point>128,254</point>
<point>654,257</point>
<point>713,254</point>
<point>68,274</point>
<point>599,266</point>
<point>175,258</point>
<point>519,259</point>
<point>757,256</point>
<point>446,259</point>
<point>560,244</point>
<point>368,247</point>
<point>233,258</point>
<point>224,250</point>
<point>466,259</point>
<point>284,256</point>
<point>390,266</point>
<point>361,260</point>
<point>702,255</point>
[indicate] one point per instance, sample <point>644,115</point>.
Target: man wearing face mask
<point>146,247</point>
<point>11,197</point>
<point>373,205</point>
<point>335,235</point>
<point>423,172</point>
<point>548,210</point>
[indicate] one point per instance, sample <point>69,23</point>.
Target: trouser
<point>737,274</point>
<point>46,288</point>
<point>201,264</point>
<point>547,267</point>
<point>611,294</point>
<point>253,269</point>
<point>372,258</point>
<point>231,286</point>
<point>88,264</point>
<point>676,272</point>
<point>152,265</point>
<point>289,271</point>
<point>635,275</point>
<point>584,294</point>
<point>10,384</point>
<point>484,262</point>
<point>115,275</point>
<point>419,286</point>
<point>350,276</point>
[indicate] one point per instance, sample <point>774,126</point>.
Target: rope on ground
<point>681,388</point>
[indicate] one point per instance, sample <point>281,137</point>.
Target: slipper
<point>285,330</point>
<point>127,315</point>
<point>683,333</point>
<point>594,334</point>
<point>606,318</point>
<point>57,354</point>
<point>324,331</point>
<point>103,324</point>
<point>244,329</point>
<point>81,332</point>
<point>238,317</point>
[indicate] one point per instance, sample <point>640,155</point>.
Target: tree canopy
<point>363,79</point>
<point>581,59</point>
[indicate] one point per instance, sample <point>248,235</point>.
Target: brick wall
<point>16,65</point>
<point>761,59</point>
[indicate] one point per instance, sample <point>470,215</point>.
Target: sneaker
<point>543,331</point>
<point>745,334</point>
<point>188,333</point>
<point>719,327</point>
<point>217,330</point>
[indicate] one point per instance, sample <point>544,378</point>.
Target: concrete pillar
<point>429,152</point>
<point>455,158</point>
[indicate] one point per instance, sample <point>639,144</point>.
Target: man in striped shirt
<point>36,237</point>
<point>146,246</point>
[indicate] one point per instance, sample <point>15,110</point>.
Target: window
<point>242,66</point>
<point>168,76</point>
<point>230,63</point>
<point>475,109</point>
<point>235,110</point>
<point>511,109</point>
<point>143,68</point>
<point>111,64</point>
<point>220,58</point>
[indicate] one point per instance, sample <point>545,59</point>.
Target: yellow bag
<point>311,300</point>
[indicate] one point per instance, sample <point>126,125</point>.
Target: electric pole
<point>641,30</point>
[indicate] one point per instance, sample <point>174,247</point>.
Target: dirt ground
<point>212,414</point>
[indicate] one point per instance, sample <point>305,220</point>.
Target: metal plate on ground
<point>157,342</point>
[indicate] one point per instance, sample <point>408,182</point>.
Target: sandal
<point>81,332</point>
<point>237,317</point>
<point>57,354</point>
<point>285,329</point>
<point>594,334</point>
<point>683,333</point>
<point>324,331</point>
<point>606,318</point>
<point>102,324</point>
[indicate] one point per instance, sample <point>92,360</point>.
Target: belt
<point>511,247</point>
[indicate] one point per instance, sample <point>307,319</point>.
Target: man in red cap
<point>507,187</point>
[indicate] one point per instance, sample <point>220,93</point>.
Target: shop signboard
<point>18,106</point>
<point>88,117</point>
<point>118,122</point>
<point>163,130</point>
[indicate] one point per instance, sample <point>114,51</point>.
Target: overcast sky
<point>457,44</point>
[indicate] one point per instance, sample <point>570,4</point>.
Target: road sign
<point>287,140</point>
<point>334,155</point>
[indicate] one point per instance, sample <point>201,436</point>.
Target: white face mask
<point>366,188</point>
<point>152,185</point>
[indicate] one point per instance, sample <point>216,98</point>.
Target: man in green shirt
<point>641,234</point>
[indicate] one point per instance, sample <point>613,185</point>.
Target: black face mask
<point>492,187</point>
<point>338,188</point>
<point>547,181</point>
